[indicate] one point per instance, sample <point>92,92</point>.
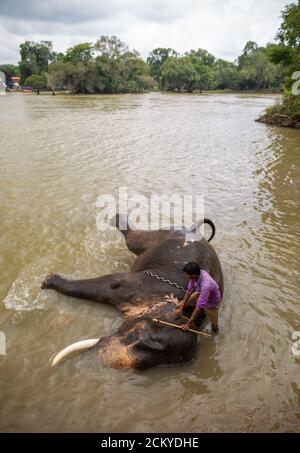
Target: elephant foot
<point>51,281</point>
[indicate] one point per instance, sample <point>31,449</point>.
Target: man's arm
<point>184,301</point>
<point>201,302</point>
<point>195,314</point>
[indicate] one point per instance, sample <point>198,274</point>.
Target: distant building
<point>14,82</point>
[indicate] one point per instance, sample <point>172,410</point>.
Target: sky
<point>220,26</point>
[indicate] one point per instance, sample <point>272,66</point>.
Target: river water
<point>58,154</point>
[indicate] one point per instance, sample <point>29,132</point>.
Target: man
<point>205,290</point>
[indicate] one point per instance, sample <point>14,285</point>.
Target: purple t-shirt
<point>207,287</point>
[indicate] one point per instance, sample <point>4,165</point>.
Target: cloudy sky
<point>220,26</point>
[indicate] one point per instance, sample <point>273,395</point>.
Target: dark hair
<point>192,268</point>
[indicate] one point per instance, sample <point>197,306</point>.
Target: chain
<point>165,280</point>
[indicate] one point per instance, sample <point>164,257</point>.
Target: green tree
<point>104,67</point>
<point>109,52</point>
<point>226,75</point>
<point>110,47</point>
<point>206,75</point>
<point>157,58</point>
<point>9,70</point>
<point>287,51</point>
<point>35,58</point>
<point>256,71</point>
<point>187,73</point>
<point>287,54</point>
<point>135,72</point>
<point>207,58</point>
<point>289,32</point>
<point>80,53</point>
<point>179,73</point>
<point>249,50</point>
<point>57,75</point>
<point>36,81</point>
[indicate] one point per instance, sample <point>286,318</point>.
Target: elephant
<point>150,290</point>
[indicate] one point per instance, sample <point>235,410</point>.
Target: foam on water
<point>25,292</point>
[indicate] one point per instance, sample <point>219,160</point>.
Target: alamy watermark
<point>2,343</point>
<point>295,348</point>
<point>2,84</point>
<point>165,211</point>
<point>296,85</point>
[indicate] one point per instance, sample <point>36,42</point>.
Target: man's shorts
<point>211,314</point>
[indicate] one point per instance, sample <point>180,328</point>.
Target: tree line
<point>109,66</point>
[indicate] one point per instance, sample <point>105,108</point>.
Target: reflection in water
<point>57,157</point>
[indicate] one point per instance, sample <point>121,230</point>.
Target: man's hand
<point>185,327</point>
<point>178,311</point>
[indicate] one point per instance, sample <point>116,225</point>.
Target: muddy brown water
<point>57,155</point>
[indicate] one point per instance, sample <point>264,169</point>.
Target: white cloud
<point>220,26</point>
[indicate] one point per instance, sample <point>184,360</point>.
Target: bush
<point>289,106</point>
<point>36,81</point>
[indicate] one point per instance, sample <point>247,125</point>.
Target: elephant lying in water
<point>140,343</point>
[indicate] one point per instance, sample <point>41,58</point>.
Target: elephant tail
<point>197,226</point>
<point>74,347</point>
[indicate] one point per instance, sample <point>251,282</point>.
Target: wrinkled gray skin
<point>139,342</point>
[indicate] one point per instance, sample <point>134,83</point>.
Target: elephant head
<point>140,342</point>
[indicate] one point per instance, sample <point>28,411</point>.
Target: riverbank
<point>278,119</point>
<point>285,113</point>
<point>204,92</point>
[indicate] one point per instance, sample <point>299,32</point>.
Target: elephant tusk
<point>74,347</point>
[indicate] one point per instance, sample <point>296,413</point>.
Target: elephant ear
<point>150,343</point>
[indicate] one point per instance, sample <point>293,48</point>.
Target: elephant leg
<point>134,239</point>
<point>95,289</point>
<point>138,241</point>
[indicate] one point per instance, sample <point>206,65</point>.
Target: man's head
<point>193,270</point>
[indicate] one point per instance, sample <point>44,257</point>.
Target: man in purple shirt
<point>202,288</point>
